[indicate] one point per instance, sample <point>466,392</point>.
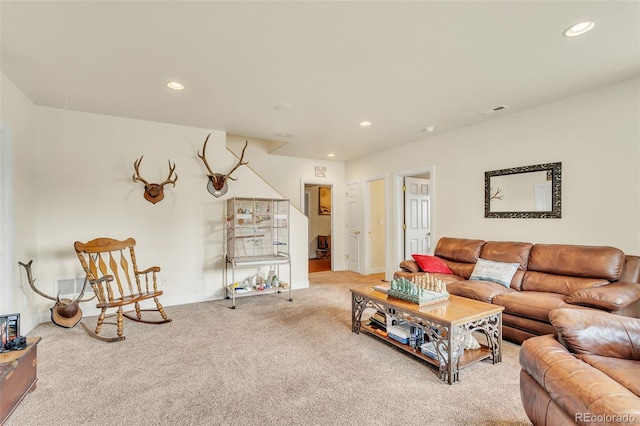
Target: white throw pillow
<point>497,272</point>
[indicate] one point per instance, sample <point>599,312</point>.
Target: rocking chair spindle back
<point>105,260</point>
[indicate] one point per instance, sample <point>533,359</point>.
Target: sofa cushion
<point>577,261</point>
<point>483,291</point>
<point>623,371</point>
<point>631,270</point>
<point>508,252</point>
<point>562,284</point>
<point>530,304</point>
<point>431,264</point>
<point>409,265</point>
<point>459,249</point>
<point>497,272</point>
<point>612,297</point>
<point>459,268</point>
<point>587,331</point>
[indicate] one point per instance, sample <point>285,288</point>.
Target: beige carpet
<point>268,362</point>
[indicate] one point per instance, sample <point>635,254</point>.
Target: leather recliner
<point>589,374</point>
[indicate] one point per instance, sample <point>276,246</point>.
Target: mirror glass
<point>524,192</point>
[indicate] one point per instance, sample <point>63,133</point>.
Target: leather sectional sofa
<point>548,276</point>
<point>590,374</point>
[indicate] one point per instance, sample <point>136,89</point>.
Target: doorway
<point>423,216</point>
<point>375,226</point>
<point>318,207</point>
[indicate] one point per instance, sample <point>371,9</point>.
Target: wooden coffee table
<point>446,324</point>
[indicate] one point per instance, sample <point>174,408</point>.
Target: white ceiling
<point>401,65</point>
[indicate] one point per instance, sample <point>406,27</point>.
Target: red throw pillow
<point>431,264</point>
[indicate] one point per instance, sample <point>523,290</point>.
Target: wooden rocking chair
<point>106,260</point>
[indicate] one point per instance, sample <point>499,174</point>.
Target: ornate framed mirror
<point>524,192</point>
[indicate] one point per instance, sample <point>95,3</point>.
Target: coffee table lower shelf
<point>468,357</point>
<point>446,324</point>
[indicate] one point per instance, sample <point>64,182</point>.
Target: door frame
<point>397,201</point>
<point>303,183</point>
<point>365,247</point>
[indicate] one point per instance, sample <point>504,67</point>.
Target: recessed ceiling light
<point>331,155</point>
<point>175,85</point>
<point>365,123</point>
<point>578,29</point>
<point>428,129</point>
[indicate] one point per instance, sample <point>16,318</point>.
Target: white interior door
<point>417,216</point>
<point>353,227</point>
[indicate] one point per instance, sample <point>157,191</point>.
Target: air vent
<point>70,287</point>
<point>496,109</point>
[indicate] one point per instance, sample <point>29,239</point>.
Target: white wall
<point>595,135</point>
<point>20,215</point>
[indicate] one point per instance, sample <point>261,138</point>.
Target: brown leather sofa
<point>548,276</point>
<point>590,374</point>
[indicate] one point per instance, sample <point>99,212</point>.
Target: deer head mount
<point>154,192</point>
<point>217,184</point>
<point>65,312</point>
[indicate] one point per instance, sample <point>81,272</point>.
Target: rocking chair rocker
<point>106,260</point>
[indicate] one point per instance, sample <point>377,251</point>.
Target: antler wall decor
<point>154,192</point>
<point>66,312</point>
<point>217,184</point>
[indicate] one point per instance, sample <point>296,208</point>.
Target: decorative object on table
<point>109,266</point>
<point>17,344</point>
<point>10,325</point>
<point>154,192</point>
<point>217,185</point>
<point>470,342</point>
<point>423,290</point>
<point>66,312</point>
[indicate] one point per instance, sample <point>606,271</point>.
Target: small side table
<point>17,376</point>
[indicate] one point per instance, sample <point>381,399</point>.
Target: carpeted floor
<point>268,362</point>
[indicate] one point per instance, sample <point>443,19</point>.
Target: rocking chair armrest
<point>152,269</point>
<point>102,279</point>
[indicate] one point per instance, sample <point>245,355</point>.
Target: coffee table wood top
<point>455,311</point>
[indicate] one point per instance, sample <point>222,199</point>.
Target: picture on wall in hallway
<point>324,200</point>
